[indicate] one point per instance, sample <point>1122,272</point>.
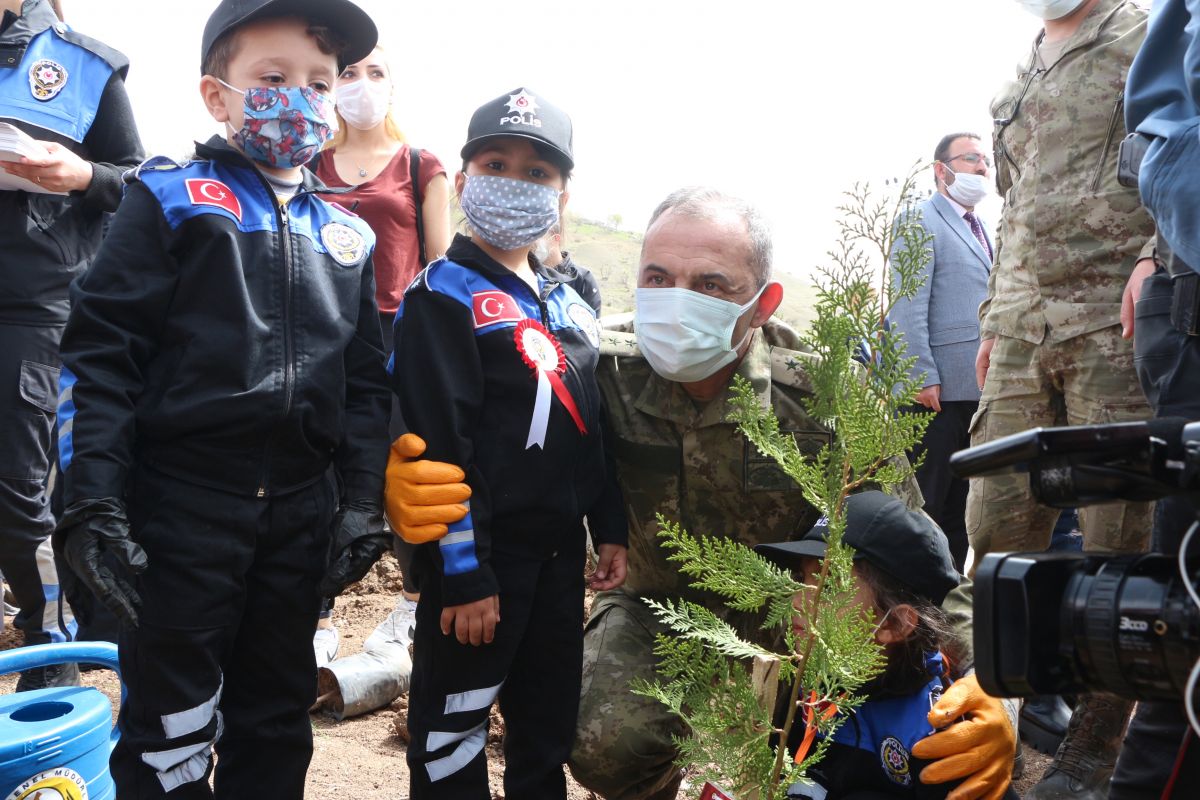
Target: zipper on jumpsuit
<point>289,370</point>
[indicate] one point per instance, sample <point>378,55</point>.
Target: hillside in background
<point>613,256</point>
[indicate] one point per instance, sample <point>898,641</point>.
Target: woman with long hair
<point>404,196</point>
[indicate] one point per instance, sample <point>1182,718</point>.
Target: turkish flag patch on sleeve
<point>494,306</point>
<point>207,192</point>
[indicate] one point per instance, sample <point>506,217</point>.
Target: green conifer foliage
<point>705,666</point>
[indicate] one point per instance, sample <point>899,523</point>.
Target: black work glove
<point>90,528</point>
<point>358,542</point>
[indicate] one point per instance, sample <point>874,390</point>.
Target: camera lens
<point>1132,625</point>
<point>1056,623</point>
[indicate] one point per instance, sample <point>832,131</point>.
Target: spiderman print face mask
<point>284,126</point>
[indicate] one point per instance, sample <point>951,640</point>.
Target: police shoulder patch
<point>344,243</point>
<point>583,316</point>
<point>46,79</point>
<point>894,757</point>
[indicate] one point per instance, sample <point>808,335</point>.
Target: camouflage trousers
<point>1086,380</point>
<point>623,742</point>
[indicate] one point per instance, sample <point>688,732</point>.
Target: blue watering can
<point>55,743</point>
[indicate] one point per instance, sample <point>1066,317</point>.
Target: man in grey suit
<point>941,325</point>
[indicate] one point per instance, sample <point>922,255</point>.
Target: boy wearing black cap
<point>903,571</point>
<point>506,358</point>
<point>223,403</point>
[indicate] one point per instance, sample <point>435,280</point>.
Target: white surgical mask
<point>1050,9</point>
<point>687,336</point>
<point>364,103</point>
<point>968,188</point>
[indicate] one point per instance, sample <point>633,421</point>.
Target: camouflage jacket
<point>688,463</point>
<point>1070,234</point>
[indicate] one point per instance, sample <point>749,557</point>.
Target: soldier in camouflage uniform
<point>1052,350</point>
<point>677,455</point>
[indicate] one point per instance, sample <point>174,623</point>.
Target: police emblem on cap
<point>895,760</point>
<point>582,316</point>
<point>46,79</point>
<point>524,108</point>
<point>346,245</point>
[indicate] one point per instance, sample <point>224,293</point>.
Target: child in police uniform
<point>495,369</point>
<point>223,427</point>
<point>903,571</point>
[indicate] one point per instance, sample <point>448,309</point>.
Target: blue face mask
<point>284,126</point>
<point>509,214</point>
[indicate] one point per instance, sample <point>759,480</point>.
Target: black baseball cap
<point>907,545</point>
<point>353,25</point>
<point>524,113</point>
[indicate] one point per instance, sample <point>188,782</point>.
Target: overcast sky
<point>784,103</point>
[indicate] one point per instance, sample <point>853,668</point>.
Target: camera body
<point>1063,623</point>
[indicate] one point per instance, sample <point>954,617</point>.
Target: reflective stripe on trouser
<point>1087,380</point>
<point>222,657</point>
<point>624,748</point>
<point>28,395</point>
<point>531,668</point>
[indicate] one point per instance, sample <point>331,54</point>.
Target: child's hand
<point>610,572</point>
<point>473,623</point>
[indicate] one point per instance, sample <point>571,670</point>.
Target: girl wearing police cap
<point>494,367</point>
<point>903,571</point>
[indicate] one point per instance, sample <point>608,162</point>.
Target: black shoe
<point>48,677</point>
<point>1044,721</point>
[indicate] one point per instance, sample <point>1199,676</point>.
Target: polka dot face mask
<point>509,214</point>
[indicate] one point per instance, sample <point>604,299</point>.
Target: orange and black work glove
<point>422,497</point>
<point>979,748</point>
<point>90,528</point>
<point>358,542</point>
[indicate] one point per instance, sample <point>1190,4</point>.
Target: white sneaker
<point>399,627</point>
<point>325,645</point>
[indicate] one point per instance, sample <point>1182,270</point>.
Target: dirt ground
<point>364,756</point>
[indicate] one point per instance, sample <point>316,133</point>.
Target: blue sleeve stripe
<point>66,418</point>
<point>459,557</point>
<point>458,547</point>
<point>464,524</point>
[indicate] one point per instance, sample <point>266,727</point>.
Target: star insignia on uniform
<point>792,364</point>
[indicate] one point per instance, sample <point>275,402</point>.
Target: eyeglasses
<point>971,158</point>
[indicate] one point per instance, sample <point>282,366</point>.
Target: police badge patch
<point>582,316</point>
<point>346,245</point>
<point>895,760</point>
<point>46,79</point>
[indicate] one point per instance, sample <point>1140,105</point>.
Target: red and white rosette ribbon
<point>542,352</point>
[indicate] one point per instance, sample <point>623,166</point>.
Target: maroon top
<point>386,203</point>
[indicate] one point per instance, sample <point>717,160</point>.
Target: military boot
<point>1083,765</point>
